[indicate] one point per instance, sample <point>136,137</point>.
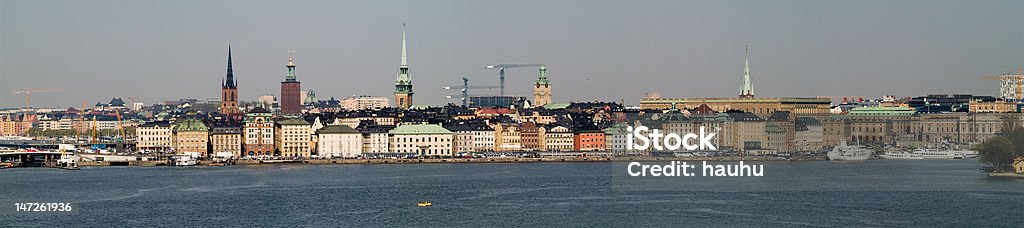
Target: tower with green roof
<point>542,88</point>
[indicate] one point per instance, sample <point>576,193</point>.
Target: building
<point>267,101</point>
<point>992,106</point>
<point>747,88</point>
<point>507,137</point>
<point>1018,165</point>
<point>471,136</point>
<point>291,138</point>
<point>192,135</point>
<point>588,140</point>
<point>403,85</point>
<point>364,102</point>
<point>259,133</point>
<point>809,134</point>
<point>542,88</point>
<point>291,91</point>
<point>375,137</point>
<point>339,141</point>
<point>154,136</point>
<point>423,139</point>
<point>531,137</point>
<point>558,138</point>
<point>762,106</point>
<point>229,91</point>
<point>747,131</point>
<point>615,138</point>
<point>227,139</point>
<point>1011,85</point>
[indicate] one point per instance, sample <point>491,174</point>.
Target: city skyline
<point>176,50</point>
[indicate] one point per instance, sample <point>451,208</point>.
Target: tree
<point>997,151</point>
<point>1013,130</point>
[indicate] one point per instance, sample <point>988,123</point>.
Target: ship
<point>901,155</point>
<point>844,152</point>
<point>940,154</point>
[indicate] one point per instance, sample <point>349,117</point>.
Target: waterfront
<point>867,193</point>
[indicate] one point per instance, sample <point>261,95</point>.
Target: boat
<point>424,203</point>
<point>184,161</point>
<point>940,154</point>
<point>844,152</point>
<point>68,161</point>
<point>901,155</point>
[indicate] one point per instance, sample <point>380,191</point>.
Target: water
<point>868,193</point>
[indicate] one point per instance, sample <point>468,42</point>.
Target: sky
<point>594,50</point>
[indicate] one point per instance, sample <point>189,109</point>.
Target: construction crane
<point>81,121</point>
<point>28,94</point>
<point>501,72</point>
<point>120,127</point>
<point>134,100</point>
<point>464,89</point>
<point>1018,78</point>
<point>94,124</point>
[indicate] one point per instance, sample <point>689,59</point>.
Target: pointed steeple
<point>747,88</point>
<point>230,82</point>
<point>405,62</point>
<point>403,78</point>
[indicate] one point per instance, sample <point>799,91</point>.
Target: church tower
<point>403,85</point>
<point>291,97</point>
<point>229,91</point>
<point>747,88</point>
<point>542,88</point>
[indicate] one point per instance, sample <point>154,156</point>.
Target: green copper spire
<point>291,68</point>
<point>543,79</point>
<point>747,88</point>
<point>404,82</point>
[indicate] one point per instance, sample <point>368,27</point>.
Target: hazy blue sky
<point>163,50</point>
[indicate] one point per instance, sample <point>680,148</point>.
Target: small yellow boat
<point>425,203</point>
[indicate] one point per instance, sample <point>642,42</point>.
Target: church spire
<point>230,82</point>
<point>747,88</point>
<point>405,62</point>
<point>403,83</point>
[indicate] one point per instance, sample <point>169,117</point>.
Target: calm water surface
<point>869,193</point>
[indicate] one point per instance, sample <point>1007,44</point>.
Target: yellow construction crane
<point>94,124</point>
<point>1018,78</point>
<point>29,91</point>
<point>81,121</point>
<point>120,128</point>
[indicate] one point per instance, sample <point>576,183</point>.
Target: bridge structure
<point>10,159</point>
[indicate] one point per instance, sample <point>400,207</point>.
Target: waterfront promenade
<point>458,160</point>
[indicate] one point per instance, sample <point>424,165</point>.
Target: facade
<point>376,138</point>
<point>542,88</point>
<point>809,134</point>
<point>615,138</point>
<point>993,106</point>
<point>558,138</point>
<point>1011,85</point>
<point>229,91</point>
<point>339,141</point>
<point>291,91</point>
<point>291,138</point>
<point>191,135</point>
<point>154,136</point>
<point>531,137</point>
<point>227,139</point>
<point>259,133</point>
<point>762,107</point>
<point>585,140</point>
<point>747,131</point>
<point>507,137</point>
<point>472,136</point>
<point>423,139</point>
<point>364,102</point>
<point>403,85</point>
